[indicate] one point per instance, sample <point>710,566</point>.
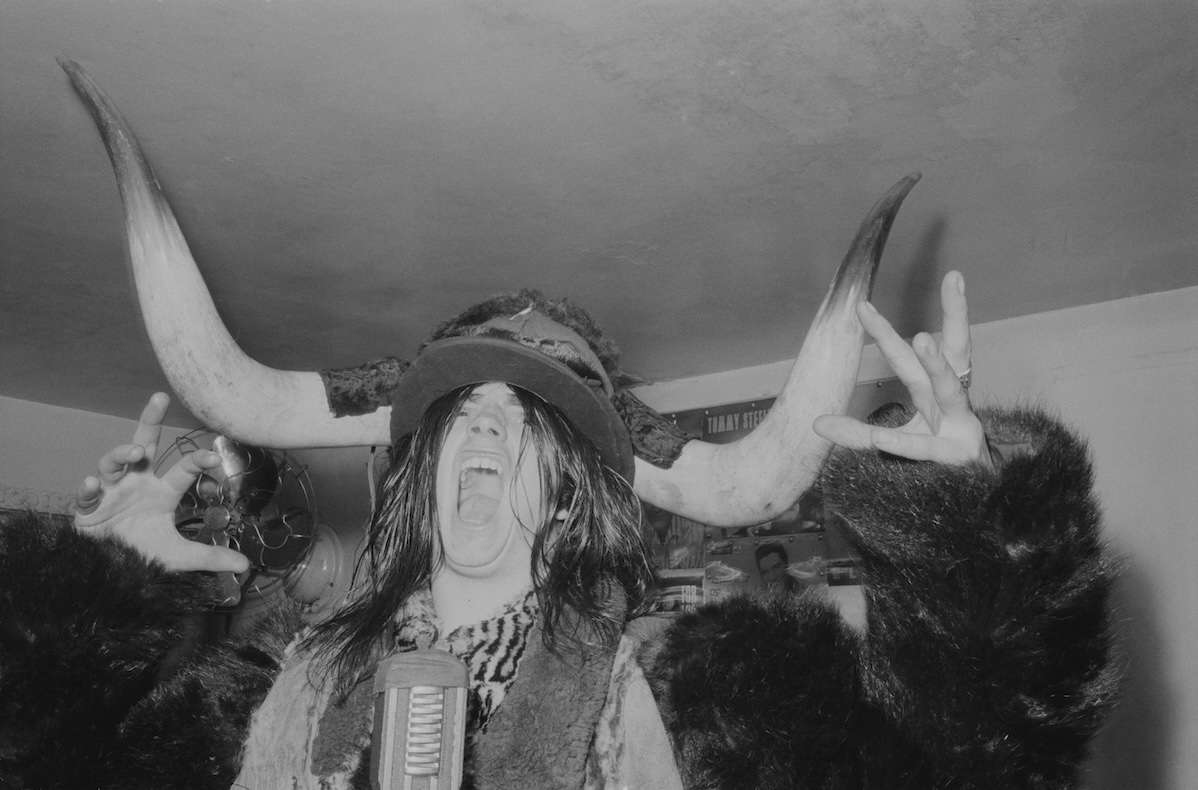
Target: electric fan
<point>260,503</point>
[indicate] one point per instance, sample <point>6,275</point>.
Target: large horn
<point>216,380</point>
<point>752,480</point>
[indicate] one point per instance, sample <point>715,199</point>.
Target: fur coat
<point>984,662</point>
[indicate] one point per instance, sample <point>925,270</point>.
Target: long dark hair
<point>577,563</point>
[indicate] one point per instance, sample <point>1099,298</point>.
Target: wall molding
<point>14,498</point>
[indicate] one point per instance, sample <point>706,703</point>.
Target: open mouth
<point>480,486</point>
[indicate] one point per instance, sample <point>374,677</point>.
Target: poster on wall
<point>803,547</point>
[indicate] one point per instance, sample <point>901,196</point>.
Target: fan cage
<point>277,538</point>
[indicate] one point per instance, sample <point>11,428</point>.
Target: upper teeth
<point>479,462</point>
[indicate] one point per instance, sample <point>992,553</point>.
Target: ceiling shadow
<point>919,305</point>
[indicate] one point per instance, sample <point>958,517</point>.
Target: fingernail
<point>869,307</point>
<point>960,284</point>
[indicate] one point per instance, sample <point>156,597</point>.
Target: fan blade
<point>208,488</point>
<point>252,476</point>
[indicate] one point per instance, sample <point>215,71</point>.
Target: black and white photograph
<point>598,395</point>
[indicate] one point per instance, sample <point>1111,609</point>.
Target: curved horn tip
<point>888,204</point>
<point>901,187</point>
<point>856,272</point>
<point>72,68</point>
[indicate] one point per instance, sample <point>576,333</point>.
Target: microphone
<point>419,722</point>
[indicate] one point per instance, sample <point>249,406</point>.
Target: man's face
<point>773,570</point>
<point>488,492</point>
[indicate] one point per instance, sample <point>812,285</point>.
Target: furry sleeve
<point>987,637</point>
<point>191,730</point>
<point>765,694</point>
<point>985,662</point>
<point>86,628</point>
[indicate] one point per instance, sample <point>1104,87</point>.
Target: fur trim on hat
<point>365,388</point>
<point>563,311</point>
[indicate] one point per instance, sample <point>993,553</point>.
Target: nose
<point>489,422</point>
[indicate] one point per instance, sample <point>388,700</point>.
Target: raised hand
<point>936,373</point>
<point>127,500</point>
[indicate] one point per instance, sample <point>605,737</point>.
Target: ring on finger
<point>966,378</point>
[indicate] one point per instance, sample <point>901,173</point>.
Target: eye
<point>515,410</point>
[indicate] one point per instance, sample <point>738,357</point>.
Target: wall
<point>1125,373</point>
<point>46,451</point>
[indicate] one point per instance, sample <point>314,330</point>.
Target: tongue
<point>478,496</point>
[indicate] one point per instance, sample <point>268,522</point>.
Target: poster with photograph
<point>802,548</point>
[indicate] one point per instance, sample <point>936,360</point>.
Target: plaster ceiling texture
<point>349,174</point>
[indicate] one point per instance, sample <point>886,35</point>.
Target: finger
<point>957,344</point>
<point>926,401</point>
<point>844,431</point>
<point>897,352</point>
<point>113,464</point>
<point>149,424</point>
<point>187,469</point>
<point>951,399</point>
<point>915,446</point>
<point>193,556</point>
<point>856,435</point>
<point>87,498</point>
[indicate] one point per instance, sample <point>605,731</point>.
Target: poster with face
<point>802,548</point>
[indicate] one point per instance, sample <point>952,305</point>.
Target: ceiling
<point>351,173</point>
